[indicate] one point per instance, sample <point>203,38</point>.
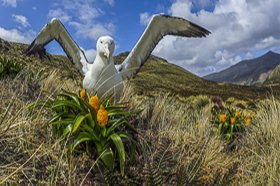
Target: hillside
<point>157,75</point>
<point>274,78</point>
<point>248,72</point>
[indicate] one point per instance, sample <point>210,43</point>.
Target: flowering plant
<point>230,123</point>
<point>94,121</point>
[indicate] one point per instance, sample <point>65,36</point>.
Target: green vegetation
<point>85,121</point>
<point>176,140</point>
<point>9,67</point>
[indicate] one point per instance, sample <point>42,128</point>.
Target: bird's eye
<point>101,41</point>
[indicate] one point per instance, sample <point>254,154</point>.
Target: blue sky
<point>241,29</point>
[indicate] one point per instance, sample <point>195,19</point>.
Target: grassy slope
<point>156,75</point>
<point>159,75</point>
<point>274,78</point>
<point>165,128</point>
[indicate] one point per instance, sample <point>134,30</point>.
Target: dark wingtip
<point>197,30</point>
<point>30,50</point>
<point>200,32</point>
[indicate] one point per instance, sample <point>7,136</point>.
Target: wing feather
<point>159,26</point>
<point>55,30</point>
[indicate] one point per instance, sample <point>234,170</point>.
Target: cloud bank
<point>236,26</point>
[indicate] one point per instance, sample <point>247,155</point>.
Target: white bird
<point>102,75</point>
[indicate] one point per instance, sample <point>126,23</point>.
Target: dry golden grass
<point>32,155</point>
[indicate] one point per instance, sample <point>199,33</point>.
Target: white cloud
<point>248,55</point>
<point>21,19</point>
<point>236,26</point>
<point>145,18</point>
<point>34,8</point>
<point>90,54</point>
<point>110,2</point>
<point>16,36</point>
<point>85,11</point>
<point>92,31</point>
<point>85,15</point>
<point>61,15</point>
<point>12,3</point>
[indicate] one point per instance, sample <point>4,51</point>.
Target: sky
<point>240,29</point>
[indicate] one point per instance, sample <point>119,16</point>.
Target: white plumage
<point>102,75</point>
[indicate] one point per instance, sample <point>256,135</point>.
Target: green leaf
<point>81,137</point>
<point>220,128</point>
<point>114,126</point>
<point>78,120</point>
<point>67,130</point>
<point>226,125</point>
<point>239,127</point>
<point>108,158</point>
<point>91,131</point>
<point>125,135</point>
<point>228,136</point>
<point>119,144</point>
<point>231,129</point>
<point>103,130</point>
<point>68,104</point>
<point>58,116</point>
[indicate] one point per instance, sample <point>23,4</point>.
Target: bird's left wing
<point>54,29</point>
<point>159,26</point>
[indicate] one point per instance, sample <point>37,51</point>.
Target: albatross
<point>102,75</point>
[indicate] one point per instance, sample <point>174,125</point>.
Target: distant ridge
<point>248,72</point>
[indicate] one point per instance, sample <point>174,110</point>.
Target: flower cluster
<point>94,102</point>
<point>102,115</point>
<point>83,95</point>
<point>223,117</point>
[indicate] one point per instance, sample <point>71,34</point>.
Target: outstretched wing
<point>159,26</point>
<point>55,30</point>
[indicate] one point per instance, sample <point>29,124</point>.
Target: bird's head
<point>105,47</point>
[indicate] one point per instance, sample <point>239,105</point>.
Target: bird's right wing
<point>159,26</point>
<point>55,30</point>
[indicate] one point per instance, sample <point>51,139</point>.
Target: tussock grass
<point>176,139</point>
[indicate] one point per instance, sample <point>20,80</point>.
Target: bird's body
<point>102,75</point>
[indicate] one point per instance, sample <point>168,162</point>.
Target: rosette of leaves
<point>230,124</point>
<point>9,67</point>
<point>75,116</point>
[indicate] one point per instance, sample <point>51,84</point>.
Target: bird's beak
<point>107,50</point>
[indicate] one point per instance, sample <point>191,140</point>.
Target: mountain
<point>157,75</point>
<point>248,72</point>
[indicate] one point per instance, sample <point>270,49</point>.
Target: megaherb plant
<point>230,122</point>
<point>94,121</point>
<point>9,67</point>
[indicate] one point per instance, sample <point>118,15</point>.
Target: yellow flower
<point>102,116</point>
<point>223,118</point>
<point>83,95</point>
<point>232,120</point>
<point>236,113</point>
<point>248,122</point>
<point>94,102</point>
<point>213,109</point>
